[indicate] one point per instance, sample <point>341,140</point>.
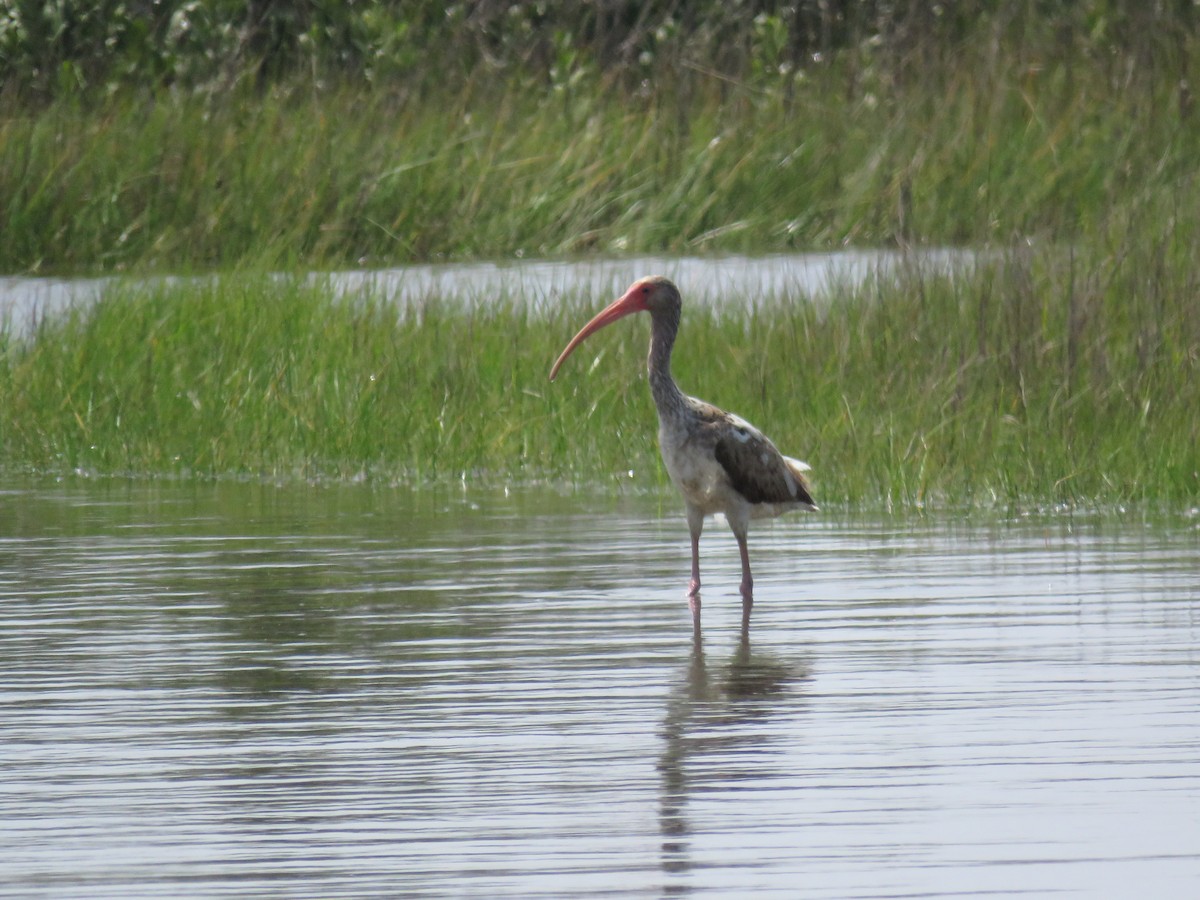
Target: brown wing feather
<point>756,469</point>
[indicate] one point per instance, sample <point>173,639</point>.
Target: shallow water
<point>706,280</point>
<point>324,691</point>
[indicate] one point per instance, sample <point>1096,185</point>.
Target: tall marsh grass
<point>993,144</point>
<point>1041,376</point>
<point>1059,141</point>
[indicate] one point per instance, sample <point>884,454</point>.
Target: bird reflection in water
<point>713,736</point>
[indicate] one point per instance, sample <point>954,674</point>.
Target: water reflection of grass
<point>1046,377</point>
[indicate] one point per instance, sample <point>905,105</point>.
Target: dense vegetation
<point>1041,377</point>
<point>191,136</point>
<point>56,47</point>
<point>1059,139</point>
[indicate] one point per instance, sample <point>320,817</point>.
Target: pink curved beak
<point>631,302</point>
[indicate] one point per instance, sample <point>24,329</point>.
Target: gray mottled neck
<point>667,397</point>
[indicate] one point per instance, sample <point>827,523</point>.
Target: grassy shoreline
<point>1066,369</point>
<point>1038,379</point>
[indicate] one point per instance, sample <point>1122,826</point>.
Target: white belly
<point>696,473</point>
<point>704,483</point>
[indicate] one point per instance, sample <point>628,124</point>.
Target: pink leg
<point>695,526</point>
<point>694,584</point>
<point>747,580</point>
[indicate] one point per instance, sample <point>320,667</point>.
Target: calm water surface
<point>247,690</point>
<point>715,280</point>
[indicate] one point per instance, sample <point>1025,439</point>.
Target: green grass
<point>1064,369</point>
<point>256,375</point>
<point>1042,377</point>
<point>992,146</point>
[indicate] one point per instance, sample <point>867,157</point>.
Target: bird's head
<point>659,295</point>
<point>656,295</point>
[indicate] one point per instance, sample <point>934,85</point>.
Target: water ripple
<point>246,690</point>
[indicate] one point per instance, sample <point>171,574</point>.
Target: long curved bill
<point>632,301</point>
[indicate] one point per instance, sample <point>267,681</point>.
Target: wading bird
<point>719,462</point>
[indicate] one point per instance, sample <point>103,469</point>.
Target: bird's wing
<point>756,469</point>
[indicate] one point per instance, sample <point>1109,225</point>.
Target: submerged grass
<point>1050,376</point>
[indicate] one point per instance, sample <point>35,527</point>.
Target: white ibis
<point>719,462</point>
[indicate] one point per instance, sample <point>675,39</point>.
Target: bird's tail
<point>798,469</point>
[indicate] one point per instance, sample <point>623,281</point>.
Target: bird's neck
<point>668,399</point>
